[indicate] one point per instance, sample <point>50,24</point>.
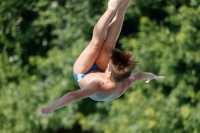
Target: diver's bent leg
<point>102,25</point>
<point>113,32</point>
<point>115,26</point>
<point>91,52</point>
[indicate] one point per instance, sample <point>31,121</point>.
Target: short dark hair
<point>121,64</point>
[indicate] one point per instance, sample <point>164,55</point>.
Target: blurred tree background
<point>40,40</point>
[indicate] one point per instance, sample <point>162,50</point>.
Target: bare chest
<point>107,95</point>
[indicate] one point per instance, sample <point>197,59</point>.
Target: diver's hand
<point>156,78</point>
<point>46,111</point>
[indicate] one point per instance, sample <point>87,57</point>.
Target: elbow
<point>138,75</point>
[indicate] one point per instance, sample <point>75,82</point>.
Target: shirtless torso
<point>111,90</point>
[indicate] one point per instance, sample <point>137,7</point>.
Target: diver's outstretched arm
<point>70,97</point>
<point>146,76</point>
<point>141,76</point>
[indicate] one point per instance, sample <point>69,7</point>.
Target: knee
<point>107,48</point>
<point>109,44</point>
<point>96,44</point>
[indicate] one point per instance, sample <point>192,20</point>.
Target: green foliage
<point>169,48</point>
<point>40,41</point>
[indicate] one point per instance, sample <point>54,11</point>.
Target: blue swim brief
<point>78,77</point>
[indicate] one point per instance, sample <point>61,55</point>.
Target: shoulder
<point>91,88</point>
<point>98,85</point>
<point>97,81</point>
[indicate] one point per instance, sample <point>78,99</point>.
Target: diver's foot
<point>115,4</point>
<point>125,5</point>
